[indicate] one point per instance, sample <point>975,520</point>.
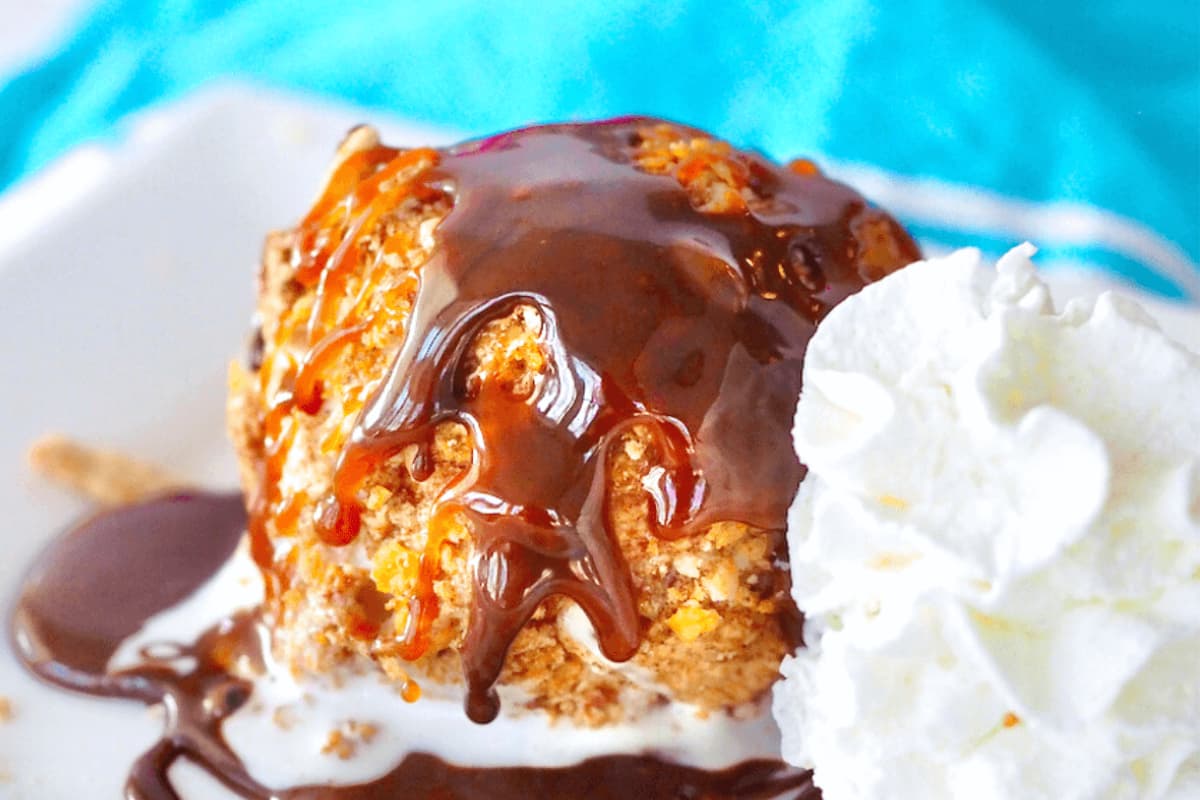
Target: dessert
<point>514,432</point>
<point>1015,610</point>
<point>521,410</point>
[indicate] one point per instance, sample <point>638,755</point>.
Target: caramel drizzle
<point>690,325</point>
<point>359,192</point>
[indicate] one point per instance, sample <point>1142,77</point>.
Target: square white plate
<point>126,285</point>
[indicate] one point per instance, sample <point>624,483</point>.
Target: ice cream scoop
<point>520,415</point>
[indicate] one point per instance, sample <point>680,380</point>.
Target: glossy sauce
<point>688,324</point>
<point>101,582</point>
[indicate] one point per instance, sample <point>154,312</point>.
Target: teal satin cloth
<point>1095,103</point>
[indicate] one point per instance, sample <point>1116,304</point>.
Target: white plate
<point>126,283</point>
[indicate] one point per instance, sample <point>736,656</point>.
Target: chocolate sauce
<point>689,324</point>
<point>607,778</point>
<point>101,582</point>
<point>255,348</point>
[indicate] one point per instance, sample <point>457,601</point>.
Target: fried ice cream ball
<point>378,548</point>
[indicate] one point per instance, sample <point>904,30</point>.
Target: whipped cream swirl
<point>997,546</point>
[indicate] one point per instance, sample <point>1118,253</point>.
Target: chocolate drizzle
<point>606,778</point>
<point>690,324</point>
<point>101,582</point>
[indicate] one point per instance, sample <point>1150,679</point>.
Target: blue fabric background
<point>1096,101</point>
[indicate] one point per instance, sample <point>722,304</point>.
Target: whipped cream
<point>997,545</point>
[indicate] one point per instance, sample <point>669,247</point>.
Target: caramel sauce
<point>100,583</point>
<point>422,606</point>
<point>686,323</point>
